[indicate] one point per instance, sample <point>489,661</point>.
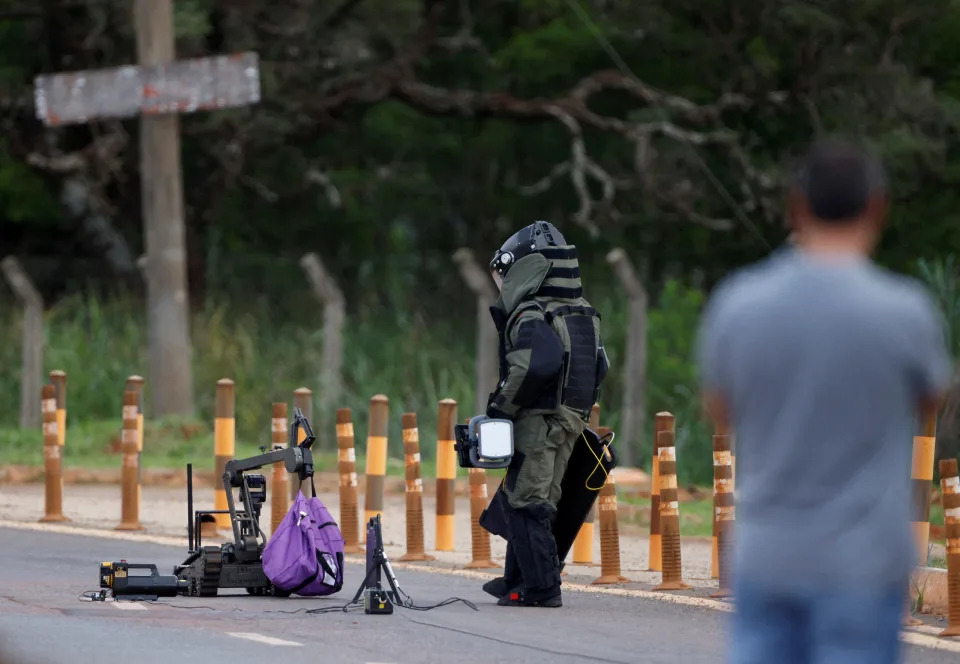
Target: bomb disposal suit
<point>552,362</point>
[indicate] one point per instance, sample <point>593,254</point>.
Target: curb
<point>932,582</point>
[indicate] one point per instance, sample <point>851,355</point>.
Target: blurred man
<point>820,360</point>
<point>551,365</point>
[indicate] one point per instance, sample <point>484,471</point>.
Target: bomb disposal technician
<point>551,365</point>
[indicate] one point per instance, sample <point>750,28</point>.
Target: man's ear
<point>878,207</point>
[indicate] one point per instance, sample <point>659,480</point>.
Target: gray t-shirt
<point>822,364</point>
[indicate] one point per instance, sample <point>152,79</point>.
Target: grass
<point>170,443</point>
<point>939,563</point>
<point>270,344</point>
<point>696,516</point>
<point>936,515</point>
<point>100,343</point>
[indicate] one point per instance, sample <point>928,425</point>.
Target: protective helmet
<point>538,235</point>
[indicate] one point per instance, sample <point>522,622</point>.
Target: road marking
<point>269,640</point>
<point>128,606</point>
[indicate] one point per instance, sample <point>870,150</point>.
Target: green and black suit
<point>551,365</point>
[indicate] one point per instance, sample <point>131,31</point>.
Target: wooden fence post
<point>334,314</point>
<point>486,365</point>
<point>631,428</point>
<point>31,376</point>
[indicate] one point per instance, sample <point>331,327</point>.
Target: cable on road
<point>579,656</point>
<point>100,596</point>
<point>406,602</point>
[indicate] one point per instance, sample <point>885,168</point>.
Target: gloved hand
<point>495,413</point>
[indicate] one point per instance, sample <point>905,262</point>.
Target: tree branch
<point>341,13</point>
<point>684,121</point>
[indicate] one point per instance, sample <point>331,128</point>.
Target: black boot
<point>517,598</point>
<point>536,555</point>
<point>511,578</point>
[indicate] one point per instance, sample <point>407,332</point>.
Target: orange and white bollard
<point>583,544</point>
<point>376,457</point>
<point>950,490</point>
<point>723,510</point>
<point>672,569</point>
<point>135,384</point>
<point>58,379</point>
<point>302,399</point>
<point>414,489</point>
<point>278,439</point>
<point>921,475</point>
<point>446,474</point>
<point>480,538</point>
<point>224,442</point>
<point>52,458</point>
<point>347,467</point>
<point>662,422</point>
<point>609,534</point>
<point>130,475</point>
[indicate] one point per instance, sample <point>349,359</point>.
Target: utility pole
<point>161,175</point>
<point>157,89</point>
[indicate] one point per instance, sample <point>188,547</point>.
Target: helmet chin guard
<point>529,240</point>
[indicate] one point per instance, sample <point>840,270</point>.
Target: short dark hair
<point>837,177</point>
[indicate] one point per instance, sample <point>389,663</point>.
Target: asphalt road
<point>43,620</point>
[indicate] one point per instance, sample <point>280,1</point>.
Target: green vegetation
<point>939,563</point>
<point>101,342</point>
<point>171,443</point>
<point>696,516</point>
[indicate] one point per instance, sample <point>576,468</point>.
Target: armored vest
<point>585,361</point>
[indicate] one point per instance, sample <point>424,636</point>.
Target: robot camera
<point>257,484</point>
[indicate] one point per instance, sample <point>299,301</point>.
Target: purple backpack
<point>305,554</point>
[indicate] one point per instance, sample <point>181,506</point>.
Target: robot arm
<point>297,458</point>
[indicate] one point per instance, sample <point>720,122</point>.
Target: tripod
<point>375,598</point>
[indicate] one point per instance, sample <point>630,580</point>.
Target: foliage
<point>99,343</point>
<point>391,134</point>
<point>943,282</point>
<point>334,151</point>
<point>943,279</point>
